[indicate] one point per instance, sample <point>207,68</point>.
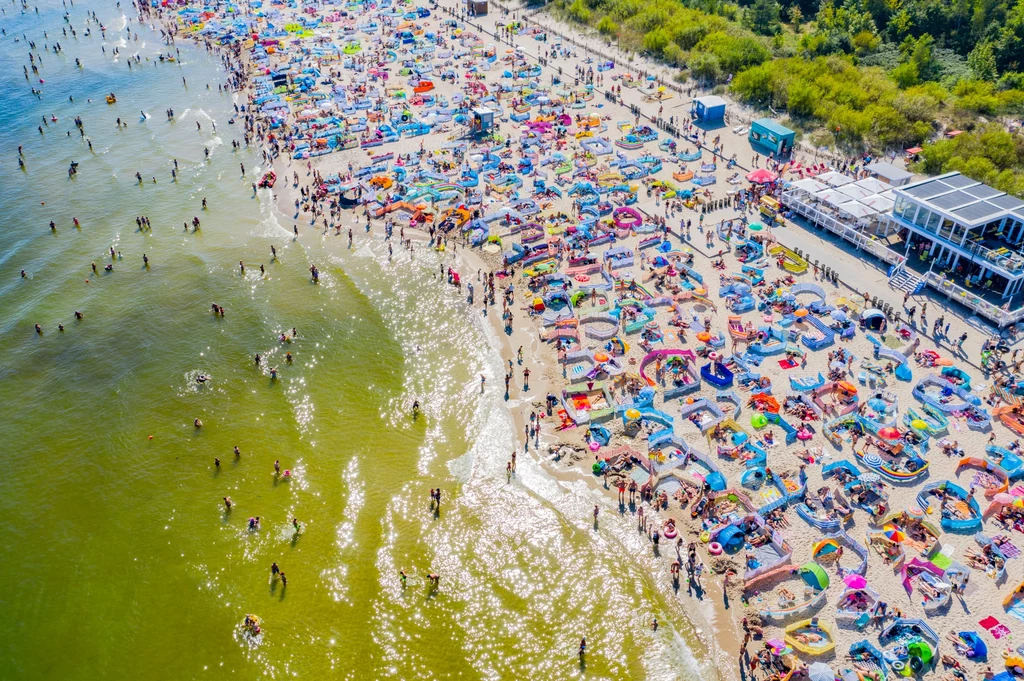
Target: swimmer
<point>288,357</point>
<point>202,378</point>
<point>273,373</point>
<point>238,452</point>
<point>227,502</point>
<point>216,462</point>
<point>39,330</point>
<point>197,423</point>
<point>277,467</point>
<point>78,315</point>
<point>295,524</point>
<point>60,327</point>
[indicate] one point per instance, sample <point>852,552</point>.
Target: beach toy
<point>715,549</point>
<point>596,468</point>
<point>632,414</point>
<point>714,356</point>
<point>689,400</point>
<point>804,434</point>
<point>703,336</point>
<point>705,536</point>
<point>759,420</point>
<point>670,532</point>
<point>918,424</point>
<point>594,445</point>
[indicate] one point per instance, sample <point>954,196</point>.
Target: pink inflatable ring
<point>715,549</point>
<point>670,532</point>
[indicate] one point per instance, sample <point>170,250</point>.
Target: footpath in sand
<point>839,481</point>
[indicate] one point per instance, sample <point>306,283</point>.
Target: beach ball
<point>918,424</point>
<point>759,420</point>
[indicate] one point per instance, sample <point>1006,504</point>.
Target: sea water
<point>119,559</point>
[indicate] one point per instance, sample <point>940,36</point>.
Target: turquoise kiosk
<point>768,136</point>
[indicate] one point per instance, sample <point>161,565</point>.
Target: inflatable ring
<point>898,666</point>
<point>582,278</point>
<point>705,536</point>
<point>670,532</point>
<point>715,549</point>
<point>405,118</point>
<point>601,301</point>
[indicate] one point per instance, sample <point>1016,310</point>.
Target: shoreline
<point>712,615</point>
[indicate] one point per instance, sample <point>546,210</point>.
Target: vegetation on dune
<point>860,75</point>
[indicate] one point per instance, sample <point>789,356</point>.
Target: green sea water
<point>119,558</point>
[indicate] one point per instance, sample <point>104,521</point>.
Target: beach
<point>533,551</point>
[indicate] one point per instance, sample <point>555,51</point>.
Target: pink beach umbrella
<point>1004,498</point>
<point>855,581</point>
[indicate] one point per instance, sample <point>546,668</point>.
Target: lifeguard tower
<point>483,121</point>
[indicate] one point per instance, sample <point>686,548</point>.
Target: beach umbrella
<point>889,433</point>
<point>1004,498</point>
<point>893,533</point>
<point>838,316</point>
<point>819,671</point>
<point>761,176</point>
<point>872,460</point>
<point>1018,502</point>
<point>880,405</point>
<point>814,575</point>
<point>836,365</point>
<point>855,581</point>
<point>632,414</point>
<point>918,424</point>
<point>869,477</point>
<point>800,313</point>
<point>915,512</point>
<point>755,227</point>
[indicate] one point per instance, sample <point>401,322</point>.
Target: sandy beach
<point>799,462</point>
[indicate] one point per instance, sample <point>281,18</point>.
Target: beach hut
<point>708,110</point>
<point>483,121</point>
<point>768,136</point>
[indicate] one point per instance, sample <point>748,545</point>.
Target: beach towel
<point>787,364</point>
<point>1009,550</point>
<point>988,622</point>
<point>999,631</point>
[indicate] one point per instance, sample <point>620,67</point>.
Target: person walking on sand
<point>526,380</point>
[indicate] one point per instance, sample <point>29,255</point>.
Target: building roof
<point>709,101</point>
<point>771,126</point>
<point>965,200</point>
<point>861,199</point>
<point>890,172</point>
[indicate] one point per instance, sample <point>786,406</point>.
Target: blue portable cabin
<point>708,110</point>
<point>767,135</point>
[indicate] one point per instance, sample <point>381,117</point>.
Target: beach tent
<point>920,650</point>
<point>731,538</point>
<point>814,575</point>
<point>872,318</point>
<point>716,480</point>
<point>824,547</point>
